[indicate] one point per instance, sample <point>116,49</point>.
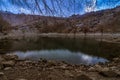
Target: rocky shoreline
<point>106,37</point>
<point>11,68</point>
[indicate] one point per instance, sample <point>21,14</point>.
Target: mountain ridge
<point>100,21</point>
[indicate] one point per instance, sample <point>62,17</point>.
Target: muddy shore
<point>11,68</point>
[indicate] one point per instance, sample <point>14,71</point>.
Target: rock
<point>63,66</point>
<point>1,73</point>
<point>8,63</point>
<point>98,67</point>
<point>109,74</point>
<point>21,79</point>
<point>83,77</point>
<point>68,73</point>
<point>28,62</point>
<point>1,67</point>
<point>44,60</point>
<point>2,76</point>
<point>105,69</point>
<point>7,68</point>
<point>10,57</point>
<point>113,68</point>
<point>51,63</point>
<point>116,59</point>
<point>91,69</point>
<point>1,59</point>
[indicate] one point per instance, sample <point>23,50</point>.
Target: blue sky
<point>81,6</point>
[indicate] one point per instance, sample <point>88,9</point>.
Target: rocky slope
<point>100,21</point>
<point>11,68</point>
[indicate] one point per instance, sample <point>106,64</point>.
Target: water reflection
<point>61,55</point>
<point>65,49</point>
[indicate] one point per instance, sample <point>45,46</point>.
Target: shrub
<point>4,25</point>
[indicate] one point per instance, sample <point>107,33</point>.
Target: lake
<point>71,50</point>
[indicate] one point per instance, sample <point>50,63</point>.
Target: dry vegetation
<point>4,26</point>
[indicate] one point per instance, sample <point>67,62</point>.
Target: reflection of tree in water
<point>87,46</point>
<point>5,45</point>
<point>109,48</point>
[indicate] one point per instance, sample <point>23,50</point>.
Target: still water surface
<point>75,51</point>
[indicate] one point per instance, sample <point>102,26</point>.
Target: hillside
<point>106,20</point>
<point>100,21</point>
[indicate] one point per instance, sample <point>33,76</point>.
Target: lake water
<point>74,51</point>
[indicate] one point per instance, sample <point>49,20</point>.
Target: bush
<point>4,26</point>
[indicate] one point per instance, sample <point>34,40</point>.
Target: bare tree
<point>51,6</point>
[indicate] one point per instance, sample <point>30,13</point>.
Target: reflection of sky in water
<point>62,55</point>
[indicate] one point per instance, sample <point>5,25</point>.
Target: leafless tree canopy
<point>57,6</point>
